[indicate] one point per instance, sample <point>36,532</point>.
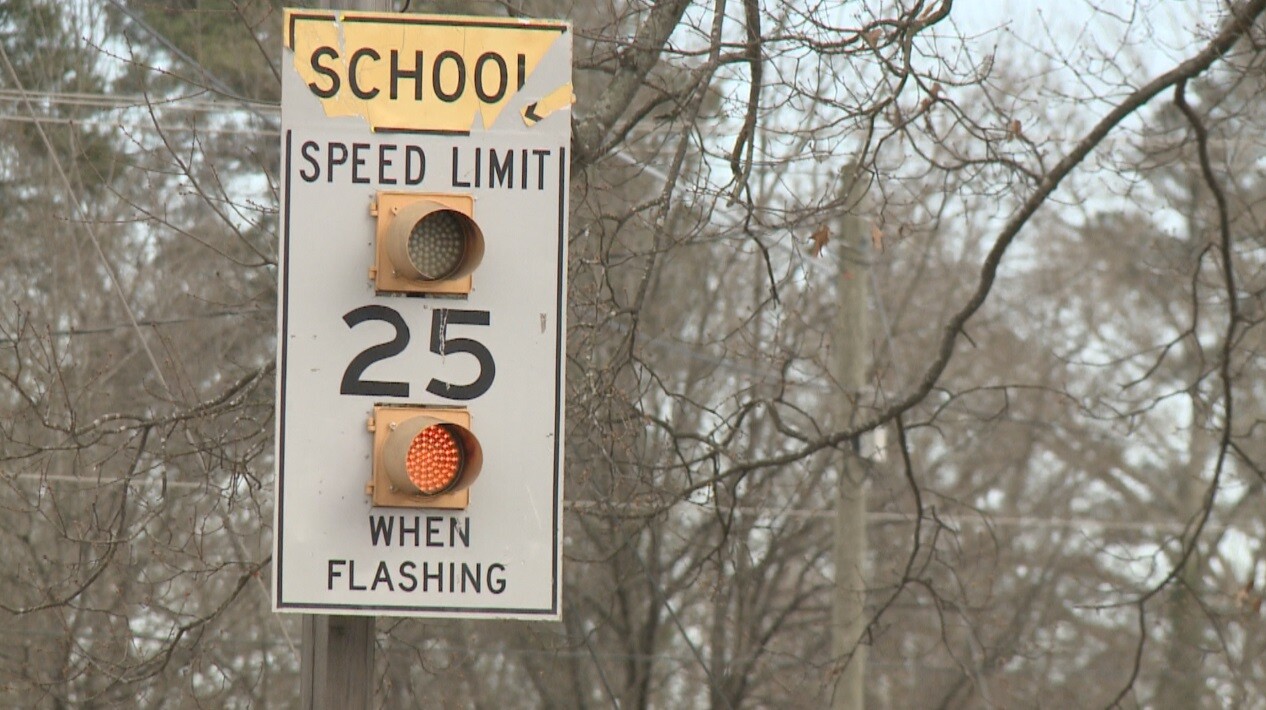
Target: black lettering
<point>324,71</point>
<point>522,67</point>
<point>541,155</point>
<point>351,577</point>
<point>352,81</point>
<point>411,152</point>
<point>456,159</point>
<point>358,161</point>
<point>427,577</point>
<point>416,531</point>
<point>441,345</point>
<point>415,74</point>
<point>406,571</point>
<point>496,584</point>
<point>331,161</point>
<point>352,382</point>
<point>331,573</point>
<point>503,171</point>
<point>523,169</point>
<point>502,81</point>
<point>380,530</point>
<point>478,157</point>
<point>460,65</point>
<point>471,575</point>
<point>308,151</point>
<point>384,162</point>
<point>433,531</point>
<point>382,576</point>
<point>458,530</point>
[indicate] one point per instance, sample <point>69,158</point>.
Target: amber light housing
<point>426,244</point>
<point>423,457</point>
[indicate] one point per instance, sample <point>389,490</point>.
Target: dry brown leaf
<point>1013,128</point>
<point>1248,600</point>
<point>820,237</point>
<point>877,238</point>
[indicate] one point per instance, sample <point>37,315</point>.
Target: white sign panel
<point>473,109</point>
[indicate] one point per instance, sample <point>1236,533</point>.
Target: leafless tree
<point>1063,423</point>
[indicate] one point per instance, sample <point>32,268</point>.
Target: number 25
<point>441,344</point>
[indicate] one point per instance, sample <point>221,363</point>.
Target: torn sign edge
<point>532,106</point>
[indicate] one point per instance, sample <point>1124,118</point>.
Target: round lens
<point>434,459</point>
<point>437,245</point>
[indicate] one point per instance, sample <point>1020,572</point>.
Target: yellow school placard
<point>428,73</point>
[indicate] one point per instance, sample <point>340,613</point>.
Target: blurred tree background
<point>1062,431</point>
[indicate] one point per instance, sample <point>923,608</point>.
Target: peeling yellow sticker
<point>561,97</point>
<point>433,73</point>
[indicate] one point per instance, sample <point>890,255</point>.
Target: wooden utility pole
<point>337,664</point>
<point>849,345</point>
<point>336,668</point>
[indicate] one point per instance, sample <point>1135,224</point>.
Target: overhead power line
<point>146,126</point>
<point>212,82</point>
<point>107,101</point>
<point>874,517</point>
